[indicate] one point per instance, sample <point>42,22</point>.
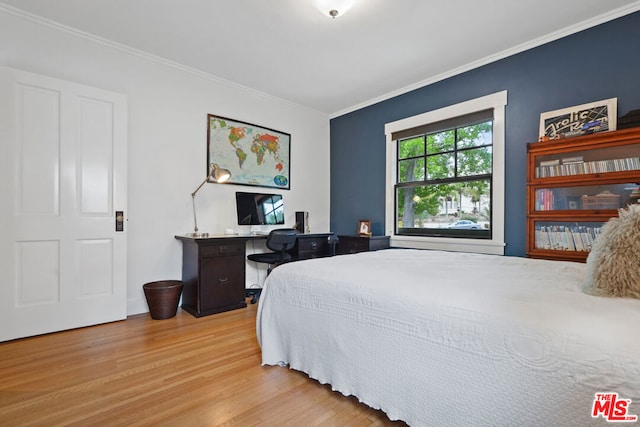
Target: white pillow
<point>613,266</point>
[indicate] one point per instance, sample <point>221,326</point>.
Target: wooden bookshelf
<point>574,185</point>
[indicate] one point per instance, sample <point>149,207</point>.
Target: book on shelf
<point>574,159</point>
<point>545,200</point>
<point>569,168</point>
<point>554,162</point>
<point>562,237</point>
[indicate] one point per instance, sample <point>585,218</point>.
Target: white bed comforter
<point>439,338</point>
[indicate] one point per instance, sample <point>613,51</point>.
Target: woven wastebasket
<point>163,297</point>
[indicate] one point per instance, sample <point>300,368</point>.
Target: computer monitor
<point>259,208</point>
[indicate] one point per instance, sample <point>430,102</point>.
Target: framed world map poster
<point>253,154</point>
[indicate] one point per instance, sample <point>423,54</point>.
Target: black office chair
<point>279,241</point>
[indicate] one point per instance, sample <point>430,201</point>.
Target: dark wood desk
<point>213,269</point>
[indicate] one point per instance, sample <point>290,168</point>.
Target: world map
<point>253,155</point>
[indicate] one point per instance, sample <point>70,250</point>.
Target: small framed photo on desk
<point>364,227</point>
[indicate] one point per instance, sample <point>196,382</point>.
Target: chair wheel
<point>254,293</point>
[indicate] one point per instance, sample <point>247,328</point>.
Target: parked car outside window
<point>465,224</point>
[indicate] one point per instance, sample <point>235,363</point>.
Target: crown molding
<point>601,19</point>
<point>147,56</point>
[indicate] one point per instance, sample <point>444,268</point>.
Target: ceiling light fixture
<point>334,8</point>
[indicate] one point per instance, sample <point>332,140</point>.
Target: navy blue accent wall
<point>599,63</point>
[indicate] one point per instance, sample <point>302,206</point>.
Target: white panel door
<point>62,180</point>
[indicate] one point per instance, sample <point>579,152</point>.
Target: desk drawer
<point>221,282</point>
<point>311,247</point>
<point>222,250</point>
<point>313,244</point>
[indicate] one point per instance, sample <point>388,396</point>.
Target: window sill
<point>490,247</point>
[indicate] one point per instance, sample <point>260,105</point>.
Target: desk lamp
<point>219,175</point>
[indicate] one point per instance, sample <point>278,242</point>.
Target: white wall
<point>168,107</point>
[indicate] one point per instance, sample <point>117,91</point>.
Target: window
<point>443,183</point>
<point>445,178</point>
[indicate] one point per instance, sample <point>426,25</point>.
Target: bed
<point>441,338</point>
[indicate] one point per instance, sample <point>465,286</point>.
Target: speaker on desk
<point>302,222</point>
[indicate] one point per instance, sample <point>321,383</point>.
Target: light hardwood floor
<point>182,371</point>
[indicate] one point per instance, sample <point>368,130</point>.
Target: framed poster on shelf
<point>364,227</point>
<point>254,155</point>
<point>599,116</point>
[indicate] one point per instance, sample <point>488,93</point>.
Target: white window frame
<point>495,246</point>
